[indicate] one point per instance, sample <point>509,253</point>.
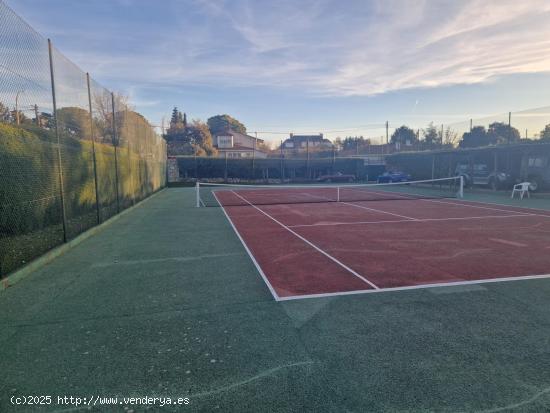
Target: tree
<point>431,135</point>
<point>199,136</point>
<point>475,138</point>
<point>404,136</point>
<point>74,122</point>
<point>177,125</point>
<point>103,110</point>
<point>545,133</point>
<point>450,137</point>
<point>354,143</point>
<point>19,116</point>
<point>221,124</point>
<point>500,132</point>
<point>5,114</point>
<point>46,120</point>
<point>264,147</point>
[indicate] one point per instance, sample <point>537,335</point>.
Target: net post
<point>461,187</point>
<point>197,195</point>
<point>337,194</point>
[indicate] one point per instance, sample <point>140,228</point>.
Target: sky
<point>340,67</point>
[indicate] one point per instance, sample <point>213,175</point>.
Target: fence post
<point>225,172</point>
<point>93,149</point>
<point>307,159</point>
<point>54,102</point>
<point>282,164</point>
<point>254,155</point>
<point>130,177</point>
<point>509,127</point>
<point>115,144</point>
<point>197,195</point>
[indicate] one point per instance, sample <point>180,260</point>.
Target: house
<point>238,145</point>
<point>305,142</point>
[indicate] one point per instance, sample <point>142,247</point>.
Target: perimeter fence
<point>72,153</point>
<point>274,170</point>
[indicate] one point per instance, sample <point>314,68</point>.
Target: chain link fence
<point>72,153</point>
<point>187,169</point>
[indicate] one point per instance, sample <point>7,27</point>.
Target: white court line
<point>476,206</point>
<point>484,207</point>
<point>461,204</point>
<point>409,220</point>
<point>360,206</point>
<point>511,206</point>
<point>310,244</point>
<point>417,287</point>
<point>271,289</point>
<point>379,211</point>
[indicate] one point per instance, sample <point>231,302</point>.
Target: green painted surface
<point>166,302</point>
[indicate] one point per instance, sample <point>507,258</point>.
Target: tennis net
<point>215,195</point>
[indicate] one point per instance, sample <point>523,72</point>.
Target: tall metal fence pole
<point>115,144</point>
<point>509,127</point>
<point>130,180</point>
<point>92,131</point>
<point>254,155</point>
<point>225,171</point>
<point>60,172</point>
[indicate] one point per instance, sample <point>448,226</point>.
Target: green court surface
<point>165,302</point>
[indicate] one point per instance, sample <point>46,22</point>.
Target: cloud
<point>316,47</point>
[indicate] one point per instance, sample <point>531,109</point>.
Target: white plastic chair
<point>522,189</point>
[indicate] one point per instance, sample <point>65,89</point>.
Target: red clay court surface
<point>334,248</point>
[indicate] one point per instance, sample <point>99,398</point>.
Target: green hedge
<point>30,200</point>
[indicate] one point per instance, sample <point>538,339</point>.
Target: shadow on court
<point>165,302</point>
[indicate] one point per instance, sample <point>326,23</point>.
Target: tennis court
<point>322,241</point>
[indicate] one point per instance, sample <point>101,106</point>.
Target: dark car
<point>396,176</point>
<point>536,170</point>
<point>337,177</point>
<point>479,174</point>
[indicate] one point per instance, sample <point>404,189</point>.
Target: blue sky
<point>338,67</point>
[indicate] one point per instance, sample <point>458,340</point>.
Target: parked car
<point>337,177</point>
<point>479,174</point>
<point>395,176</point>
<point>536,171</point>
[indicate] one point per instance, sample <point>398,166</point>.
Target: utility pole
<point>509,127</point>
<point>254,153</point>
<point>471,124</point>
<point>387,149</point>
<point>282,164</point>
<point>307,158</point>
<point>36,115</point>
<point>17,118</point>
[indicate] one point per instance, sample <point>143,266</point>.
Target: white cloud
<point>324,47</point>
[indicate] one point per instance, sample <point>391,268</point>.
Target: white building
<point>238,145</point>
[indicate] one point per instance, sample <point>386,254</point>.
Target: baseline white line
<point>476,206</point>
<point>409,220</point>
<point>417,287</point>
<point>466,205</point>
<point>310,243</point>
<point>511,206</point>
<point>269,286</point>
